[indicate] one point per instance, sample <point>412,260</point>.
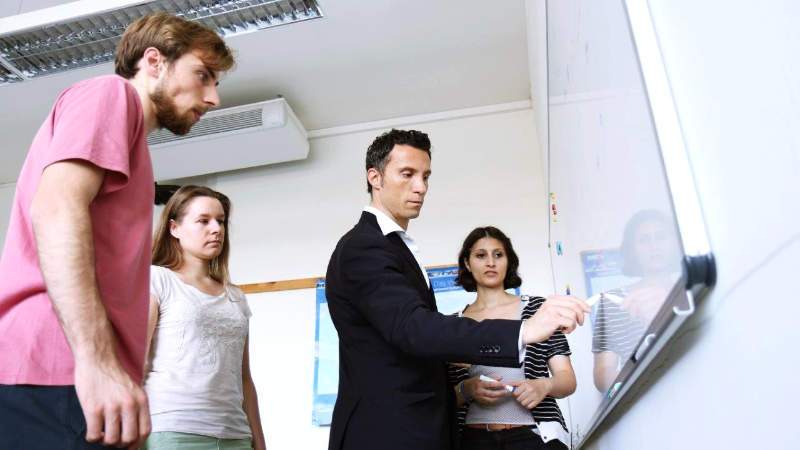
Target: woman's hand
<point>530,393</point>
<point>485,392</point>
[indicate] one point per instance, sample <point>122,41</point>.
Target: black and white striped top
<point>614,330</point>
<point>535,366</point>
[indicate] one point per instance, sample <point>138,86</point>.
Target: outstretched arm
<point>370,278</point>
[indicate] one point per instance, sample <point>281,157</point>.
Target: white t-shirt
<point>194,384</point>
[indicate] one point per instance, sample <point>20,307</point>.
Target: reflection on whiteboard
<point>450,298</point>
<point>615,234</point>
<point>602,271</point>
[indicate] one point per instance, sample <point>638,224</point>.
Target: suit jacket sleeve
<point>383,294</point>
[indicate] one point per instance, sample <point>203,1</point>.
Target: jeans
<point>42,418</point>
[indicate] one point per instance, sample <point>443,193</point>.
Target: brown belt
<point>494,426</point>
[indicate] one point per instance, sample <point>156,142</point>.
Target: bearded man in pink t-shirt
<point>75,290</point>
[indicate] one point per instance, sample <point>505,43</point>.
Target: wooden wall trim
<point>282,285</point>
<point>297,283</point>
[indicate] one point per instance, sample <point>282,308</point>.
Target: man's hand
<point>115,408</point>
<point>557,313</point>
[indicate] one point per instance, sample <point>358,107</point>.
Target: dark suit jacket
<point>393,391</point>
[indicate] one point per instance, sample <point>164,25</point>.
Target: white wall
<point>536,34</point>
<point>485,171</point>
<point>288,218</point>
<point>10,7</point>
<point>537,68</point>
<point>730,378</point>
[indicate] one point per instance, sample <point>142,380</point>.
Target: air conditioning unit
<point>228,139</point>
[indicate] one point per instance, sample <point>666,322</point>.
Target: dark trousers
<point>42,418</point>
<point>521,438</point>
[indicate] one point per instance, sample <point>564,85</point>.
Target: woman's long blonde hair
<point>166,248</point>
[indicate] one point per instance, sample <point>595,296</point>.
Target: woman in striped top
<point>519,410</point>
<point>651,256</point>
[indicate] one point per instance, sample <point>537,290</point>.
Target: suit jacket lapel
<point>421,285</point>
<point>397,241</point>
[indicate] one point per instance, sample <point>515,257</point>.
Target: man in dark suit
<point>393,391</point>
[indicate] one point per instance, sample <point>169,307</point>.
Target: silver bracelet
<point>463,394</point>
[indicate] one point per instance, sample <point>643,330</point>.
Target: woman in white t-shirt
<point>197,374</point>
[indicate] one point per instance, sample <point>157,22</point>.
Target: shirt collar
<point>389,226</point>
<point>386,224</point>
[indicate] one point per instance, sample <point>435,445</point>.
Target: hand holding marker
<point>507,387</point>
<point>615,295</point>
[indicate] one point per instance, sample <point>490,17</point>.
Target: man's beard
<point>167,114</point>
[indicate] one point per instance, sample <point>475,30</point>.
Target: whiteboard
<point>622,201</point>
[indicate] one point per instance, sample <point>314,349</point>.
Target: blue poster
<point>326,361</point>
<point>450,298</point>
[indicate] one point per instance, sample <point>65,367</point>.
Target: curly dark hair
<point>378,151</point>
<point>465,278</point>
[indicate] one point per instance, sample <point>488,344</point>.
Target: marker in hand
<point>615,298</point>
<point>508,388</point>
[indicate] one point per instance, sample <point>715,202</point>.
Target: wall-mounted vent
<point>213,125</point>
<point>230,139</point>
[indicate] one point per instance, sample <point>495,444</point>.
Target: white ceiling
<point>366,60</point>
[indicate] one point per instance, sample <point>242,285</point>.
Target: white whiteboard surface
<point>613,225</point>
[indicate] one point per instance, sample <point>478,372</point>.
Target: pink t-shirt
<point>99,120</point>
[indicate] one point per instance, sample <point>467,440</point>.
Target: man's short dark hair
<point>465,278</point>
<point>378,151</point>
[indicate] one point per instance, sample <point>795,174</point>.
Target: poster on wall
<point>326,361</point>
<point>450,298</point>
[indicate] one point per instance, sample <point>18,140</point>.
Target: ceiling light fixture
<point>85,33</point>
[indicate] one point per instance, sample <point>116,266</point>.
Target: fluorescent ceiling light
<point>85,33</point>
